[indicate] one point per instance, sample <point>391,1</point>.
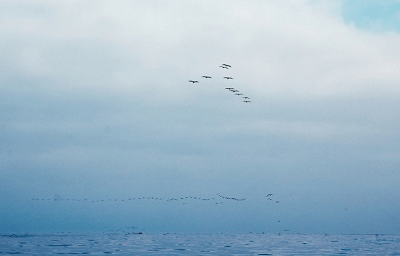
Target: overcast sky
<point>95,104</point>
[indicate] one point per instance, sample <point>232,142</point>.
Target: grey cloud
<point>96,103</point>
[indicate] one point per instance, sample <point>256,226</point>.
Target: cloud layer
<point>96,103</point>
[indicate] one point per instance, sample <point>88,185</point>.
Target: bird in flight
<point>193,81</point>
<point>223,67</point>
<point>234,90</point>
<point>228,77</point>
<point>226,65</point>
<point>246,101</point>
<point>207,76</point>
<point>238,94</point>
<point>229,88</point>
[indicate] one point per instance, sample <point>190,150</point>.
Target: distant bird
<point>226,65</point>
<point>228,77</point>
<point>246,101</point>
<point>238,94</point>
<point>229,88</point>
<point>234,90</point>
<point>249,98</point>
<point>193,81</point>
<point>207,76</point>
<point>223,67</point>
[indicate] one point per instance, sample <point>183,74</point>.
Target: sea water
<point>198,244</point>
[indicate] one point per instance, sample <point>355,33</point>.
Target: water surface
<point>198,244</point>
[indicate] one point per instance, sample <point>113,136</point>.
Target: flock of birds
<point>231,89</point>
<point>217,200</point>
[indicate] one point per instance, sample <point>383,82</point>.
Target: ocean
<point>198,244</point>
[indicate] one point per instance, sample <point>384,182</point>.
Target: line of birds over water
<point>184,199</point>
<point>246,99</point>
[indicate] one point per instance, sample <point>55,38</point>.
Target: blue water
<point>198,244</point>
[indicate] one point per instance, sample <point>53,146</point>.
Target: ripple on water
<point>180,249</point>
<point>202,244</point>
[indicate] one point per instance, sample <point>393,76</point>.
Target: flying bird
<point>228,77</point>
<point>246,101</point>
<point>207,76</point>
<point>223,67</point>
<point>229,88</point>
<point>193,81</point>
<point>226,65</point>
<point>238,94</point>
<point>249,98</point>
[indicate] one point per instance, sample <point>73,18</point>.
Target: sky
<point>96,111</point>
